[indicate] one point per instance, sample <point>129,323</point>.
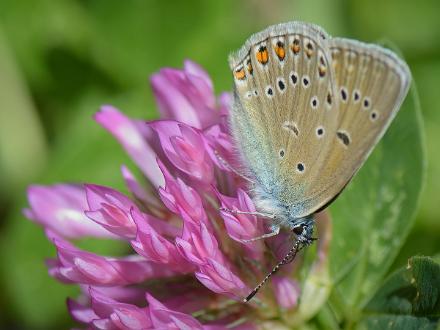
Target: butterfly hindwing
<point>372,83</point>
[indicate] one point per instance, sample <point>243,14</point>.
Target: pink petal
<point>198,244</point>
<point>178,197</point>
<point>111,209</point>
<point>119,293</point>
<point>150,198</point>
<point>74,265</point>
<point>104,324</point>
<point>220,279</point>
<point>184,147</point>
<point>242,226</point>
<point>210,283</point>
<point>225,101</point>
<point>114,314</point>
<point>163,317</point>
<point>185,95</point>
<point>286,291</point>
<point>80,313</point>
<point>127,133</point>
<point>156,248</point>
<point>133,319</point>
<point>172,103</point>
<point>219,142</point>
<point>196,70</point>
<point>61,209</point>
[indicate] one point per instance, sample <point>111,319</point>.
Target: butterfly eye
<point>282,153</point>
<point>298,230</point>
<point>300,167</point>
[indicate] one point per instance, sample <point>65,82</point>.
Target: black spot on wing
<point>345,139</point>
<point>291,127</point>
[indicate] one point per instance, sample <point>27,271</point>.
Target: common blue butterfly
<point>308,110</point>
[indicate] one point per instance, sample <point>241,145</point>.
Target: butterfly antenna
<point>287,259</point>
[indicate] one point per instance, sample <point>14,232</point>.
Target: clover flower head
<point>188,266</point>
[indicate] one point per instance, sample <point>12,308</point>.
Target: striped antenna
<point>290,256</point>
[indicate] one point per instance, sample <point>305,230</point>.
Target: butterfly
<point>308,110</point>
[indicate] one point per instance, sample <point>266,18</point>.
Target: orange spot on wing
<point>279,50</point>
<point>295,46</point>
<point>249,67</point>
<point>309,50</point>
<point>239,73</point>
<point>262,55</point>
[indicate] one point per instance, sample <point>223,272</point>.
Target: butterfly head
<point>303,229</point>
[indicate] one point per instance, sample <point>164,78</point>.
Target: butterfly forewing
<point>309,109</point>
<point>285,107</point>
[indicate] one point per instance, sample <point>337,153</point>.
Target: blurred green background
<point>60,60</point>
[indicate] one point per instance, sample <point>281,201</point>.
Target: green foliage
<point>374,215</point>
<point>409,299</point>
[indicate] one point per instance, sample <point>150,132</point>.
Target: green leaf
<point>18,147</point>
<point>391,322</point>
<point>373,216</point>
<point>409,299</point>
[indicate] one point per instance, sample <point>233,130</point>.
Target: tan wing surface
<point>285,106</point>
<point>304,142</point>
<point>372,84</point>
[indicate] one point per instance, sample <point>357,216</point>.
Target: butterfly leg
<point>258,214</point>
<point>275,231</point>
<point>226,164</point>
